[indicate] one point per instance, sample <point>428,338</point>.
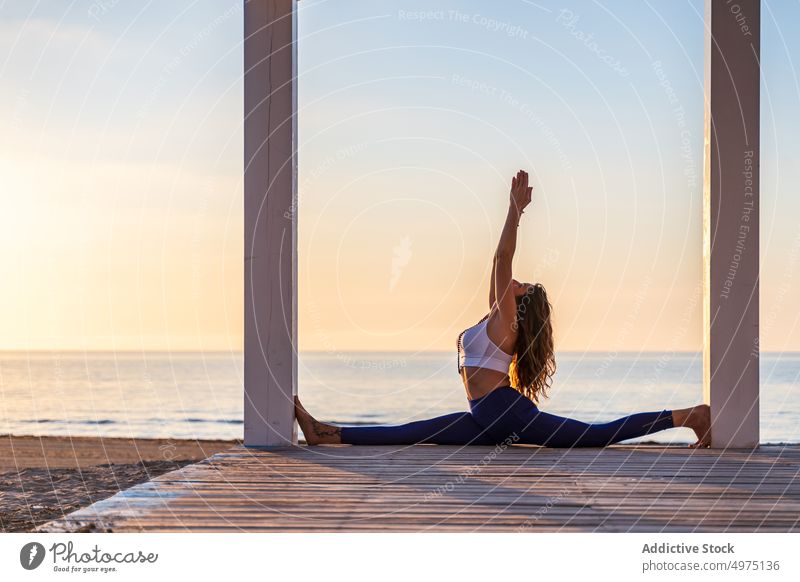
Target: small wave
<point>107,421</point>
<point>215,420</point>
<point>68,421</point>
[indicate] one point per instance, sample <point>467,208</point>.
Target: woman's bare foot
<point>316,432</point>
<point>698,418</point>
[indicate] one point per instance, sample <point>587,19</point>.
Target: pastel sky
<point>121,159</point>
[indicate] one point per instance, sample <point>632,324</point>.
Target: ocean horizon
<point>198,395</point>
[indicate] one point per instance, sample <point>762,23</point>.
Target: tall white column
<point>270,221</point>
<point>730,221</point>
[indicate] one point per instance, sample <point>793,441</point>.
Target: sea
<point>199,395</point>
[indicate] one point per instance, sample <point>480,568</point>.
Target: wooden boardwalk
<point>435,488</point>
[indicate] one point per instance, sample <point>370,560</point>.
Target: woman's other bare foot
<point>316,432</point>
<point>698,418</point>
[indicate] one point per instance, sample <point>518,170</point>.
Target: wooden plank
<point>270,222</point>
<point>423,488</point>
<point>731,221</point>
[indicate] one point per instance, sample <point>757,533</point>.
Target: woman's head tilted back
<point>534,359</point>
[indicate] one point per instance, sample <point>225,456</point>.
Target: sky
<point>121,160</point>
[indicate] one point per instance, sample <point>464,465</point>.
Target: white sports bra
<point>477,350</point>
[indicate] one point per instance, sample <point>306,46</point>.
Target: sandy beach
<point>42,478</point>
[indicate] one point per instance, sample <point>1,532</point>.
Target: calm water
<point>192,395</point>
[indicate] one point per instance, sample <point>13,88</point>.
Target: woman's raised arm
<point>503,257</point>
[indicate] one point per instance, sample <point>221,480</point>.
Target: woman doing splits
<point>507,362</point>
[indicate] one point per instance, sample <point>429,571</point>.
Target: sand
<point>42,478</point>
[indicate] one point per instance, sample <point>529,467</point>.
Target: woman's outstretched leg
<point>505,412</point>
<point>458,428</point>
<point>557,431</point>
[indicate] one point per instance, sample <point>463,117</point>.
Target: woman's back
<point>482,364</point>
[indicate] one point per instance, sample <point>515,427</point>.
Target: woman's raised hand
<point>520,191</point>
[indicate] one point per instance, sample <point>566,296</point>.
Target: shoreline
<point>232,442</point>
<point>46,477</point>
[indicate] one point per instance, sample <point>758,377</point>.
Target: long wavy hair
<point>534,360</point>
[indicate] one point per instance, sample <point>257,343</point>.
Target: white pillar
<point>270,221</point>
<point>730,221</point>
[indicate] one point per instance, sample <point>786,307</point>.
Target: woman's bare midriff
<point>479,382</point>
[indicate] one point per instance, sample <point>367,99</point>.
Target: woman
<point>506,362</point>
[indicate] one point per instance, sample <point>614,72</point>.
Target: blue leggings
<point>506,415</point>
